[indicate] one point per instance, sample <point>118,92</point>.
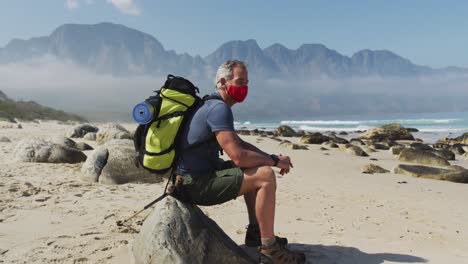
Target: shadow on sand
<point>319,254</point>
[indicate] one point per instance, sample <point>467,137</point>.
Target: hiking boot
<point>252,237</point>
<point>279,254</point>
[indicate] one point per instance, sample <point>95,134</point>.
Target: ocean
<point>431,126</point>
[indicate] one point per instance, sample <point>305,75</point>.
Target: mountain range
<point>123,65</point>
<point>117,49</point>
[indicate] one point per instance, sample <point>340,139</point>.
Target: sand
<point>325,207</point>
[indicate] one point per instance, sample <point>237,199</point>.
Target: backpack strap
<point>213,137</point>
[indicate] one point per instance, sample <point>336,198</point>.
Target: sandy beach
<point>325,207</point>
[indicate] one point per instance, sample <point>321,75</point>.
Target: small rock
<point>372,168</point>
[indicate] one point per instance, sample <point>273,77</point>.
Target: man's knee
<point>267,175</point>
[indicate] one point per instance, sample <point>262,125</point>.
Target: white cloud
<point>126,6</point>
<point>72,4</point>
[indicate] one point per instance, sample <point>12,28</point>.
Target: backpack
<point>158,143</point>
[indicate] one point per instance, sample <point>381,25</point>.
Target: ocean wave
<point>375,122</point>
<point>336,129</point>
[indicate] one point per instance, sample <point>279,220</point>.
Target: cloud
<point>126,6</point>
<point>72,4</point>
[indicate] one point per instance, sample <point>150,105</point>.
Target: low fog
<point>66,86</point>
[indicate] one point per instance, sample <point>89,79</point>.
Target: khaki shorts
<point>214,188</point>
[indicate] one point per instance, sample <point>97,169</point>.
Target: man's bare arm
<point>242,154</point>
<point>251,147</point>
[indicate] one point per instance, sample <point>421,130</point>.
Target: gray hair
<point>226,70</point>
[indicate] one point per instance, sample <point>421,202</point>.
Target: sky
<point>428,32</point>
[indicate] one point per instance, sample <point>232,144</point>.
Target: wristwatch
<point>275,159</point>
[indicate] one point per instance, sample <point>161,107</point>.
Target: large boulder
<point>81,130</point>
<point>120,167</point>
<point>314,138</point>
<point>457,149</point>
<point>389,131</point>
<point>420,146</point>
<point>379,146</point>
<point>176,232</point>
<point>92,168</point>
<point>356,151</point>
<point>112,131</point>
<point>450,173</point>
<point>357,142</point>
<point>396,150</point>
<point>422,157</point>
<point>91,136</point>
<point>37,150</point>
<point>444,153</point>
<point>338,140</point>
<point>286,131</point>
<point>64,141</point>
<point>463,139</point>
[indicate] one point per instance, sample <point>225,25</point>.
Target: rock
<point>286,131</point>
<point>330,144</point>
<point>410,129</point>
<point>91,136</point>
<point>372,168</point>
<point>276,139</point>
<point>441,146</point>
<point>389,131</point>
<point>368,149</point>
<point>343,133</point>
<point>120,167</point>
<point>64,141</point>
<point>81,130</point>
<point>112,131</point>
<point>338,140</point>
<point>444,153</point>
<point>422,157</point>
<point>357,142</point>
<point>452,173</point>
<point>287,144</point>
<point>35,150</point>
<point>420,146</point>
<point>314,138</point>
<point>356,151</point>
<point>379,146</point>
<point>418,140</point>
<point>463,139</point>
<point>457,149</point>
<point>396,150</point>
<point>243,132</point>
<point>181,233</point>
<point>4,139</point>
<point>322,148</point>
<point>83,146</point>
<point>19,126</point>
<point>92,168</point>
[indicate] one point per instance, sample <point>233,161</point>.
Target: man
<point>209,181</point>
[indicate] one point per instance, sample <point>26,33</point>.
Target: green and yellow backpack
<point>158,143</point>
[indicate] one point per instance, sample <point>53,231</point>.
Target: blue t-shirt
<point>214,115</point>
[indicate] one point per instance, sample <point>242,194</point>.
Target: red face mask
<point>238,93</point>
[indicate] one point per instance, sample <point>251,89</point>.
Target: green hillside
<point>30,110</point>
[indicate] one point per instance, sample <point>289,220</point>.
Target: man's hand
<point>284,164</point>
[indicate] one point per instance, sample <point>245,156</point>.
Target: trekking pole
<point>121,223</point>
